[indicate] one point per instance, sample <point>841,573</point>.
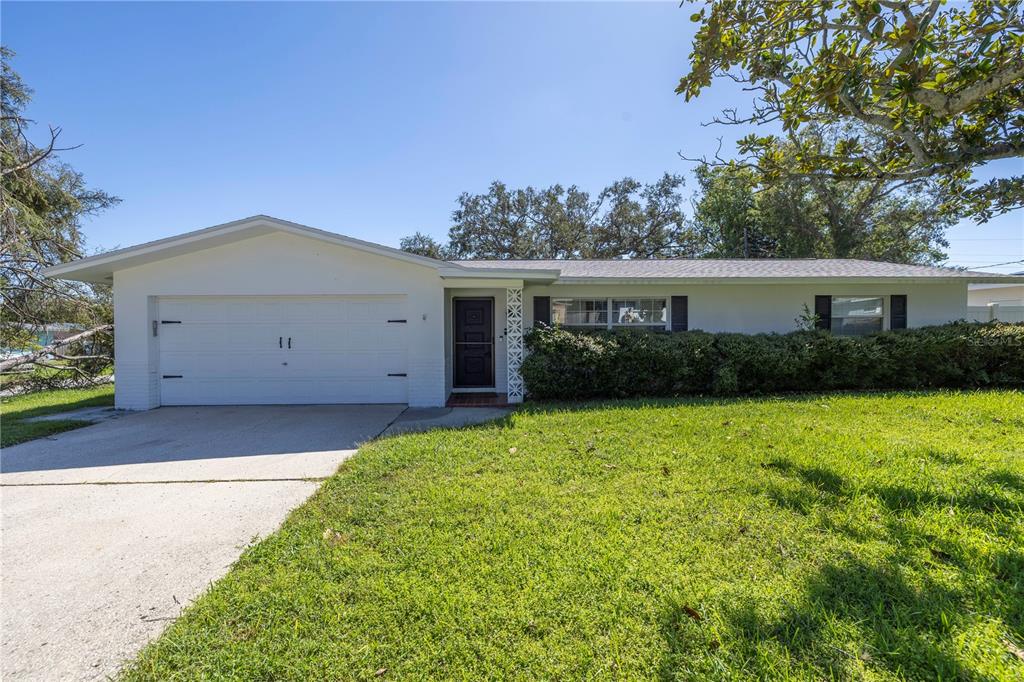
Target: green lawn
<point>846,536</point>
<point>14,410</point>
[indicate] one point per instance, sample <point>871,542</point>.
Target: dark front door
<point>474,342</point>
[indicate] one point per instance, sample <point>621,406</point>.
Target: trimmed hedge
<point>564,364</point>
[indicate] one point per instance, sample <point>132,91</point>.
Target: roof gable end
<point>100,268</point>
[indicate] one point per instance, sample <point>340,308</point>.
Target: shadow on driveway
<point>177,434</point>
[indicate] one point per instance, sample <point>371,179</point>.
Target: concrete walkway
<point>110,530</point>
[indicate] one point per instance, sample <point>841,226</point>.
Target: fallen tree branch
<point>34,357</point>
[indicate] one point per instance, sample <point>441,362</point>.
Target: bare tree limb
<point>41,154</point>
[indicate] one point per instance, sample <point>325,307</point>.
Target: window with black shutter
<point>823,309</point>
<point>680,314</point>
<point>898,311</point>
<point>542,310</point>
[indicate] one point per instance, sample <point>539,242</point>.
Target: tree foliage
<point>424,245</point>
<point>941,86</point>
<point>628,219</point>
<point>734,215</point>
<point>799,217</point>
<point>43,202</point>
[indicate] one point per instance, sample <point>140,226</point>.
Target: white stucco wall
<point>283,265</point>
<point>754,308</point>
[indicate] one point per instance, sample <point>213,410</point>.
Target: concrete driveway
<point>109,530</point>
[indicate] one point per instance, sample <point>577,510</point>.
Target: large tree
<point>736,217</point>
<point>740,214</point>
<point>43,202</point>
<point>941,85</point>
<point>628,219</point>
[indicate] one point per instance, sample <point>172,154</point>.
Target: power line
<point>996,265</point>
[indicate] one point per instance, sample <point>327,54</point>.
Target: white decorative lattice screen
<point>514,342</point>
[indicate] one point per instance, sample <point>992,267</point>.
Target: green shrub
<point>564,364</point>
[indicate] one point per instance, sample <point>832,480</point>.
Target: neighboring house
<point>986,302</point>
<point>262,311</point>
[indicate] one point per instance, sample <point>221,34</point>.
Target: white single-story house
<point>265,311</point>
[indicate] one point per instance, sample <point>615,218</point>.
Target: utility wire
<point>995,265</point>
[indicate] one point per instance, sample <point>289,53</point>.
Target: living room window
<point>607,313</point>
<point>857,315</point>
<point>580,312</point>
<point>639,312</point>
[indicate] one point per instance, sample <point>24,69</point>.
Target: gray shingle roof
<point>717,268</point>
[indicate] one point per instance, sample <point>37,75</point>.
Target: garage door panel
<point>191,337</point>
<point>256,337</point>
<point>205,311</point>
<point>226,350</point>
<point>394,362</point>
<point>350,365</point>
<point>218,366</point>
<point>358,311</point>
<point>236,337</point>
<point>327,337</point>
<point>333,365</point>
<point>285,391</point>
<point>220,392</point>
<point>247,312</point>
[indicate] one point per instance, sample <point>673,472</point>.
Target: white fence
<point>995,311</point>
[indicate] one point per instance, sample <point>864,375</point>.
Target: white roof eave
<point>869,279</point>
<point>528,275</point>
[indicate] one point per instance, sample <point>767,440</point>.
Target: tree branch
<point>34,357</point>
<point>951,105</point>
<point>915,145</point>
<point>41,154</point>
<point>921,28</point>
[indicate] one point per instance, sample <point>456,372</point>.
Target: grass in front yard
<point>14,410</point>
<point>849,536</point>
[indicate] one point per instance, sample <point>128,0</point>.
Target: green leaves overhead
<point>942,84</point>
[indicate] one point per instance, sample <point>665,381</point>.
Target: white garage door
<point>241,350</point>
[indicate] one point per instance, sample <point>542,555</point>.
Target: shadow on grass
<point>822,479</point>
<point>1007,479</point>
<point>832,489</point>
<point>899,616</point>
<point>850,615</point>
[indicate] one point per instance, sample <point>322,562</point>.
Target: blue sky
<point>370,119</point>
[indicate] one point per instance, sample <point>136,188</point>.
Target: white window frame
<point>612,314</point>
<point>884,315</point>
<point>585,325</point>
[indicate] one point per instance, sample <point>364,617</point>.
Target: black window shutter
<point>823,309</point>
<point>680,314</point>
<point>898,311</point>
<point>542,310</point>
